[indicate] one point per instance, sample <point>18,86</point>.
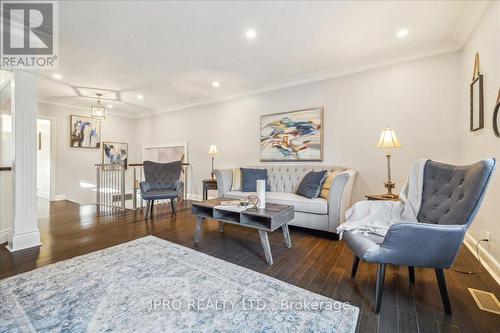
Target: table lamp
<point>212,152</point>
<point>388,141</point>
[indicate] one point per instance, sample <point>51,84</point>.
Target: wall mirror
<point>476,98</point>
<point>496,119</point>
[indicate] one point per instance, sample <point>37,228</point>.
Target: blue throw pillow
<point>311,185</point>
<point>249,179</point>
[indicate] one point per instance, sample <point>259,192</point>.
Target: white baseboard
<point>43,194</point>
<point>4,236</point>
<point>59,197</point>
<point>197,197</point>
<point>487,260</point>
<point>24,240</point>
<point>194,197</point>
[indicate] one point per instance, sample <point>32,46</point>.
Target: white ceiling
<point>170,52</point>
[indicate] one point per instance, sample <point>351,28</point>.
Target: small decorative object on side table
<point>388,141</point>
<point>382,197</point>
<point>208,184</point>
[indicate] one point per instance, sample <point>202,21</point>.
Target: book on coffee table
<point>232,208</point>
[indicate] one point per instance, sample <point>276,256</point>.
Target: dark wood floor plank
<point>316,262</point>
<point>407,315</point>
<point>388,321</point>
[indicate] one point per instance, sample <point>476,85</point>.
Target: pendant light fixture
<point>98,111</point>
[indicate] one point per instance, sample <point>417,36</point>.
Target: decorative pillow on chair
<point>325,191</point>
<point>310,187</point>
<point>249,179</point>
<point>236,185</point>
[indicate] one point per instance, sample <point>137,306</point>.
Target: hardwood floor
<point>315,262</point>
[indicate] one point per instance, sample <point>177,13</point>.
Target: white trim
<point>194,197</point>
<point>43,194</point>
<point>465,26</point>
<point>53,155</point>
<point>198,197</point>
<point>59,197</point>
<point>4,236</point>
<point>24,240</point>
<point>80,107</point>
<point>471,15</point>
<point>487,260</point>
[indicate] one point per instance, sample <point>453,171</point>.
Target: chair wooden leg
<point>152,205</point>
<point>411,273</point>
<point>148,206</point>
<point>379,287</point>
<point>172,202</point>
<point>443,290</point>
<point>355,263</point>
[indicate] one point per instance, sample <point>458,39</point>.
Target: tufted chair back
<point>162,176</point>
<point>452,194</point>
<point>287,178</point>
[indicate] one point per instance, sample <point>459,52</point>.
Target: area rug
<point>152,285</point>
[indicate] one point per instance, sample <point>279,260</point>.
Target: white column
<point>24,232</point>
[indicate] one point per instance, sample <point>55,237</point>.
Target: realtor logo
<point>29,34</point>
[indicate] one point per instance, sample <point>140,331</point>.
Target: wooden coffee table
<point>265,220</point>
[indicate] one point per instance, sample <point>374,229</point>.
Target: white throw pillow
<point>236,185</point>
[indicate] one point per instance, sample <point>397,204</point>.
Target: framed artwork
<point>476,98</point>
<point>115,153</point>
<point>292,136</point>
<point>85,132</point>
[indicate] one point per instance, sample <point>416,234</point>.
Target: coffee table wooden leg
<point>265,245</point>
<point>286,235</point>
<point>221,226</point>
<point>197,229</point>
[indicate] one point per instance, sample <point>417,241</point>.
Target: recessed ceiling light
<point>402,33</point>
<point>215,84</point>
<point>140,96</point>
<point>110,106</point>
<point>57,76</point>
<point>251,34</point>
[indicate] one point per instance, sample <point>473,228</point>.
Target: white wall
<point>43,158</point>
<point>483,143</point>
<point>417,99</point>
<point>75,170</point>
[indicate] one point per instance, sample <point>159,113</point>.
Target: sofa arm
<point>224,179</point>
<point>420,245</point>
<point>339,199</point>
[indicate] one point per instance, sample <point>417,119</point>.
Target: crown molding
<point>339,71</point>
<point>467,23</point>
<point>79,107</point>
<point>470,18</point>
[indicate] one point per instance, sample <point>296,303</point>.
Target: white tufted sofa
<point>319,213</point>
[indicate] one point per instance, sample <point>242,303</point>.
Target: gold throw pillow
<point>325,191</point>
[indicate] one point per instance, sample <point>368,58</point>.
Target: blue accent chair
<point>162,181</point>
<point>451,198</point>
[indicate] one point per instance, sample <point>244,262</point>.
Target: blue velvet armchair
<point>162,181</point>
<point>451,197</point>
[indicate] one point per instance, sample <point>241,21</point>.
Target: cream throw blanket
<point>376,217</point>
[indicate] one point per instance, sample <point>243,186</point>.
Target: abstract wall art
<point>85,132</point>
<point>115,153</point>
<point>292,136</point>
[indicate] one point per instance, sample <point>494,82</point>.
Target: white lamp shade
<point>388,139</point>
<point>212,151</point>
